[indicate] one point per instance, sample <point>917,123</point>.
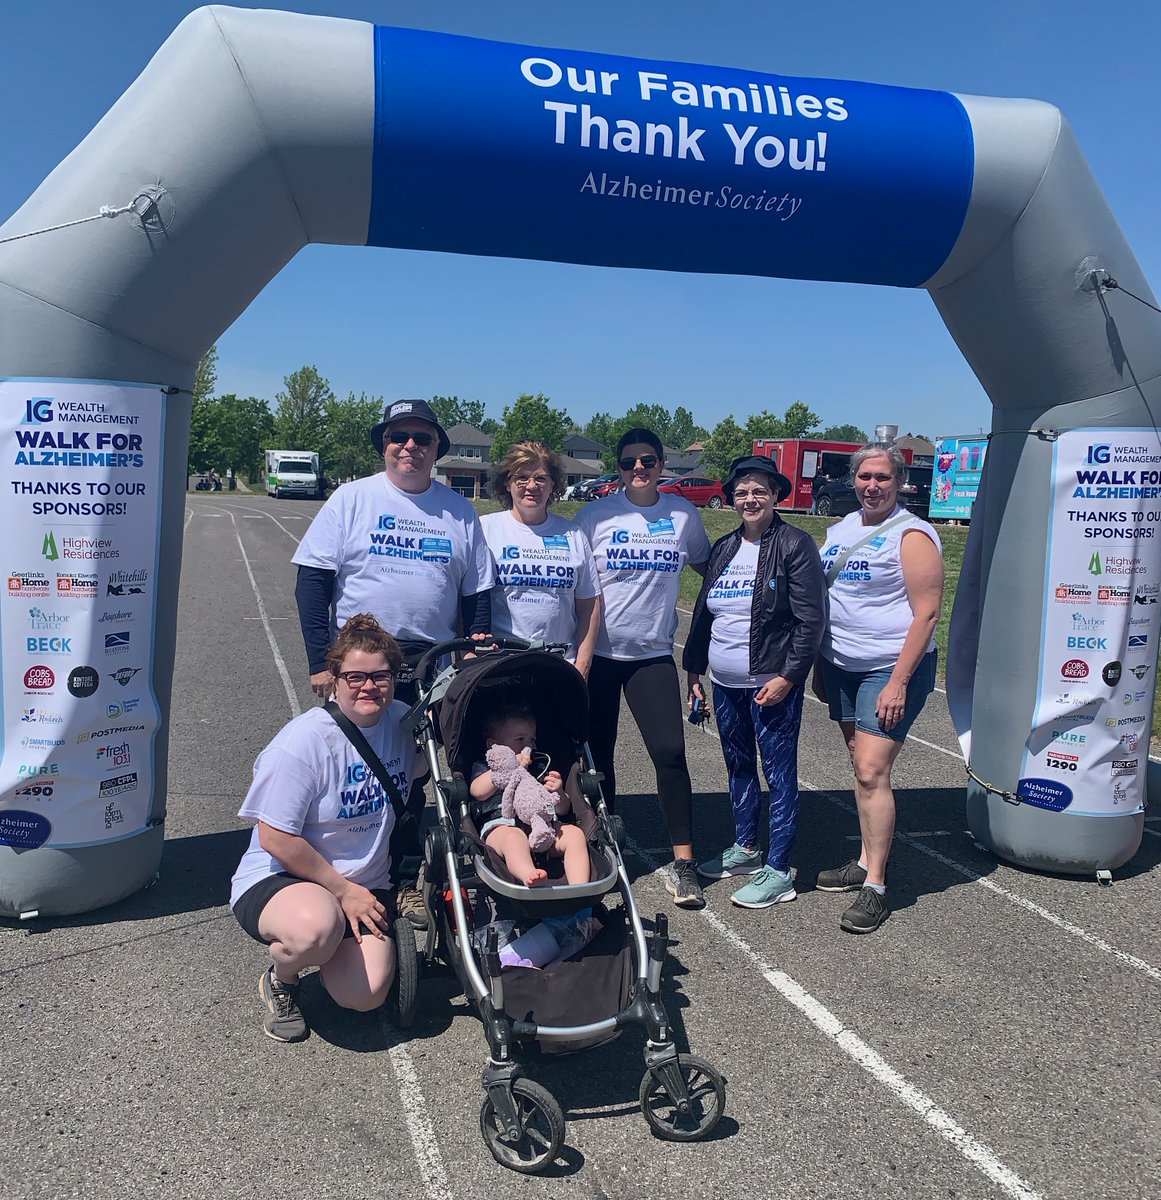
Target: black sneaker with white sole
<point>868,912</point>
<point>284,1020</point>
<point>850,877</point>
<point>684,887</point>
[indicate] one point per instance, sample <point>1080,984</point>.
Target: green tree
<point>490,426</point>
<point>230,431</point>
<point>845,433</point>
<point>206,377</point>
<point>682,430</point>
<point>727,441</point>
<point>798,421</point>
<point>531,417</point>
<point>451,410</point>
<point>676,430</point>
<point>346,449</point>
<point>299,421</point>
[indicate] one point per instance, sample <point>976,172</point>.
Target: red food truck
<point>804,460</point>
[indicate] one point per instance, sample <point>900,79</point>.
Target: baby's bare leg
<point>573,845</point>
<point>511,843</point>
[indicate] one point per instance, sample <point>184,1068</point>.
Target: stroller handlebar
<point>457,645</point>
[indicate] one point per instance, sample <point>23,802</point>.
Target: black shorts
<point>254,899</point>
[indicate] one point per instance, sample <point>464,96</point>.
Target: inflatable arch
<point>309,129</point>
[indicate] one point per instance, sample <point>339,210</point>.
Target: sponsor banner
<point>1087,752</point>
<point>524,152</point>
<point>955,482</point>
<point>81,477</point>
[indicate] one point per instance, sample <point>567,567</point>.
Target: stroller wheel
<point>707,1100</point>
<point>542,1125</point>
<point>400,1006</point>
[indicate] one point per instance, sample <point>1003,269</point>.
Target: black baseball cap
<point>401,410</point>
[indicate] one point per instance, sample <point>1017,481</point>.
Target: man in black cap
<point>402,547</point>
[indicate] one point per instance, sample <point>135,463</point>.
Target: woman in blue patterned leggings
<point>757,626</point>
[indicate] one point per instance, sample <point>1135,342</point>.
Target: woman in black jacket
<point>757,625</point>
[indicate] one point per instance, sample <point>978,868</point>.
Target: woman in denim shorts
<point>884,569</point>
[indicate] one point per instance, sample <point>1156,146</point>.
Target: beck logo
<point>49,645</point>
<point>1075,668</point>
<point>1075,642</point>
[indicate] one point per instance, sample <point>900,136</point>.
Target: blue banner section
<point>521,152</point>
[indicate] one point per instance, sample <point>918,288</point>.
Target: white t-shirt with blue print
<point>404,558</point>
<point>640,552</point>
<point>730,603</point>
<point>312,782</point>
<point>541,572</point>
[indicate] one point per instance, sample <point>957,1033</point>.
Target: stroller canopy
<point>550,687</point>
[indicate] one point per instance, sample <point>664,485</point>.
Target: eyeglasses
<point>538,480</point>
<point>358,678</point>
<point>753,494</point>
<point>400,437</point>
<point>648,461</point>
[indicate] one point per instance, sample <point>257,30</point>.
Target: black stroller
<point>612,982</point>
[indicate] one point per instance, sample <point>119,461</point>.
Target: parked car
<point>837,498</point>
<point>585,490</point>
<point>604,487</point>
<point>916,492</point>
<point>705,493</point>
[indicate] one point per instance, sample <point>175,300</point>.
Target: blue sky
<point>403,323</point>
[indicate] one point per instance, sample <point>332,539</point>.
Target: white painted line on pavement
<point>979,1155</point>
<point>1123,956</point>
<point>419,1127</point>
<point>431,1169</point>
<point>295,707</point>
<point>1130,960</point>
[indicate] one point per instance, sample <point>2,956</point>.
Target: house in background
<point>682,462</point>
<point>582,459</point>
<point>922,451</point>
<point>467,463</point>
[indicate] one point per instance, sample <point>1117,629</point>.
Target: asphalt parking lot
<point>995,1038</point>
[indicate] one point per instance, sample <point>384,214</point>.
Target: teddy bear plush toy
<point>525,799</point>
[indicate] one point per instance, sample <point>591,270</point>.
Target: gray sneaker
<point>868,912</point>
<point>850,877</point>
<point>684,887</point>
<point>734,861</point>
<point>284,1021</point>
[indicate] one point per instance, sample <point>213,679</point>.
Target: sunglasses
<point>648,461</point>
<point>400,437</point>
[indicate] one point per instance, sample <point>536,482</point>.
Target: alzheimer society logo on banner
<point>525,152</point>
<point>82,463</point>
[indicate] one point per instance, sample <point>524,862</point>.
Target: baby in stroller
<point>514,726</point>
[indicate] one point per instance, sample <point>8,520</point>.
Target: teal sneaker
<point>766,888</point>
<point>734,861</point>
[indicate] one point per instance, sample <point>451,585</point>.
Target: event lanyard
<point>876,530</point>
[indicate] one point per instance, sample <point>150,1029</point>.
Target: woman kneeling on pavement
<point>757,624</point>
<point>315,884</point>
<point>884,568</point>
